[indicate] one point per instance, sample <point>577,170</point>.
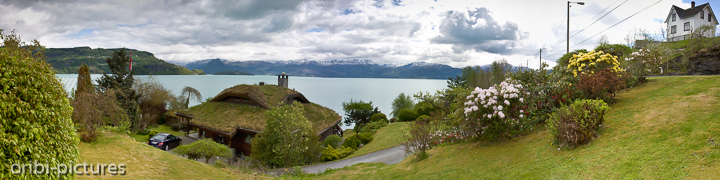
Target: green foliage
<point>204,148</point>
<point>401,102</point>
<point>379,117</point>
<point>365,137</point>
<point>358,113</point>
<point>548,91</point>
<point>373,126</point>
<point>331,154</point>
<point>423,118</point>
<point>144,132</point>
<point>565,59</point>
<point>578,123</point>
<point>421,137</point>
<point>35,115</point>
<point>220,164</point>
<point>424,108</point>
<point>84,81</point>
<point>69,60</point>
<point>122,80</point>
<point>152,100</point>
<point>198,72</point>
<point>151,133</point>
<point>288,138</point>
<point>618,50</point>
<point>332,141</point>
<point>407,115</point>
<point>92,110</point>
<point>352,142</point>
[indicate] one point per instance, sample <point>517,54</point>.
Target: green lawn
<point>160,128</point>
<point>144,162</point>
<point>659,130</point>
<point>349,133</point>
<point>386,137</point>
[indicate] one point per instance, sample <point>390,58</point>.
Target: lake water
<point>328,92</point>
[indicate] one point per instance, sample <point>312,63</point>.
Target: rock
<point>706,61</point>
<point>361,145</point>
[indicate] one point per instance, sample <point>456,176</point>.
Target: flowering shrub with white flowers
<point>499,111</point>
<point>645,61</point>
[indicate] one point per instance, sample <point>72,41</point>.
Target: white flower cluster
<point>493,99</point>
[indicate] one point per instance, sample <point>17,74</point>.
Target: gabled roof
<point>228,117</point>
<point>265,96</point>
<point>684,13</point>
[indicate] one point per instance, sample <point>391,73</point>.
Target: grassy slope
<point>655,131</point>
<point>145,162</point>
<point>160,128</point>
<point>386,137</point>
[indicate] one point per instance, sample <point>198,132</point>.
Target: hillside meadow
<point>664,129</point>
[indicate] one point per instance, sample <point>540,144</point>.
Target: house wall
<point>330,131</point>
<point>238,143</point>
<point>695,21</point>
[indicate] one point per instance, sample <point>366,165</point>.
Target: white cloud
<point>456,33</point>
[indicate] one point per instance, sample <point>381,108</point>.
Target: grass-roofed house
<point>234,116</point>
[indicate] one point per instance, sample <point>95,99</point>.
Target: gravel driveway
<point>388,156</point>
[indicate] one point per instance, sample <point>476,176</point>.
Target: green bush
<point>423,108</point>
<point>423,118</point>
<point>407,115</point>
<point>331,154</point>
<point>219,164</point>
<point>352,142</point>
<point>204,148</point>
<point>152,133</point>
<point>144,132</point>
<point>365,137</point>
<point>332,141</point>
<point>392,120</point>
<point>35,114</point>
<point>578,123</point>
<point>379,117</point>
<point>373,126</point>
<point>288,139</point>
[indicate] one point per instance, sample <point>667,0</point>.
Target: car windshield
<point>158,137</point>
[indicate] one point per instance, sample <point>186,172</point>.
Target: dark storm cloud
<point>477,29</point>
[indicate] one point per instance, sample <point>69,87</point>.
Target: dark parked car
<point>164,141</point>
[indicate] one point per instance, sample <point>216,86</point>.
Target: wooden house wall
<point>238,142</point>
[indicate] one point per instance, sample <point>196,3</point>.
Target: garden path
<point>391,155</point>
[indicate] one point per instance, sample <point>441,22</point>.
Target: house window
<point>673,17</point>
<point>248,138</point>
<point>709,17</point>
<point>687,26</point>
<point>673,29</point>
<point>702,14</point>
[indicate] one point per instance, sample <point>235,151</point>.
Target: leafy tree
<point>457,81</point>
<point>204,148</point>
<point>476,77</point>
<point>358,113</point>
<point>424,108</point>
<point>153,98</point>
<point>407,115</point>
<point>401,102</point>
<point>379,117</point>
<point>35,115</point>
<point>565,59</point>
<point>92,110</point>
<point>191,93</point>
<point>332,141</point>
<point>84,81</point>
<point>288,138</point>
<point>122,80</point>
<point>619,50</point>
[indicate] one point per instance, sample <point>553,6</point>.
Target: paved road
<point>391,155</point>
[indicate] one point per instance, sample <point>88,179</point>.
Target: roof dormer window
<point>702,14</point>
<point>673,17</point>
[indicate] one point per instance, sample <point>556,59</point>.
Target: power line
<point>619,22</point>
<point>603,10</point>
<point>561,23</point>
<point>599,18</point>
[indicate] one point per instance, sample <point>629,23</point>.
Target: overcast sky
<point>456,33</point>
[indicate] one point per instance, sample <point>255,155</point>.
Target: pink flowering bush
<point>499,111</point>
<point>644,62</point>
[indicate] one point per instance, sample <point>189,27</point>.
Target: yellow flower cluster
<point>591,61</point>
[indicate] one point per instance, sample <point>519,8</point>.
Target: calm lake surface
<point>328,92</point>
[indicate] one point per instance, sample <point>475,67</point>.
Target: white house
<point>680,22</point>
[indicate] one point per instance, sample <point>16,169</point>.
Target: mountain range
<point>331,68</point>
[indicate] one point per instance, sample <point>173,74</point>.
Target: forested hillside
<point>69,60</point>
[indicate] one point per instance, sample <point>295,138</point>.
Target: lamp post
<point>568,23</point>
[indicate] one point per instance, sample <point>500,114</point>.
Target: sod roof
<point>227,117</point>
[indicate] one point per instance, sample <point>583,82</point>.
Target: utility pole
<point>540,66</point>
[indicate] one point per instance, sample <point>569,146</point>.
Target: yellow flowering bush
<point>593,61</point>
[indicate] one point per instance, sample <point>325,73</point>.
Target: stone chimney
<point>692,4</point>
<point>283,80</point>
